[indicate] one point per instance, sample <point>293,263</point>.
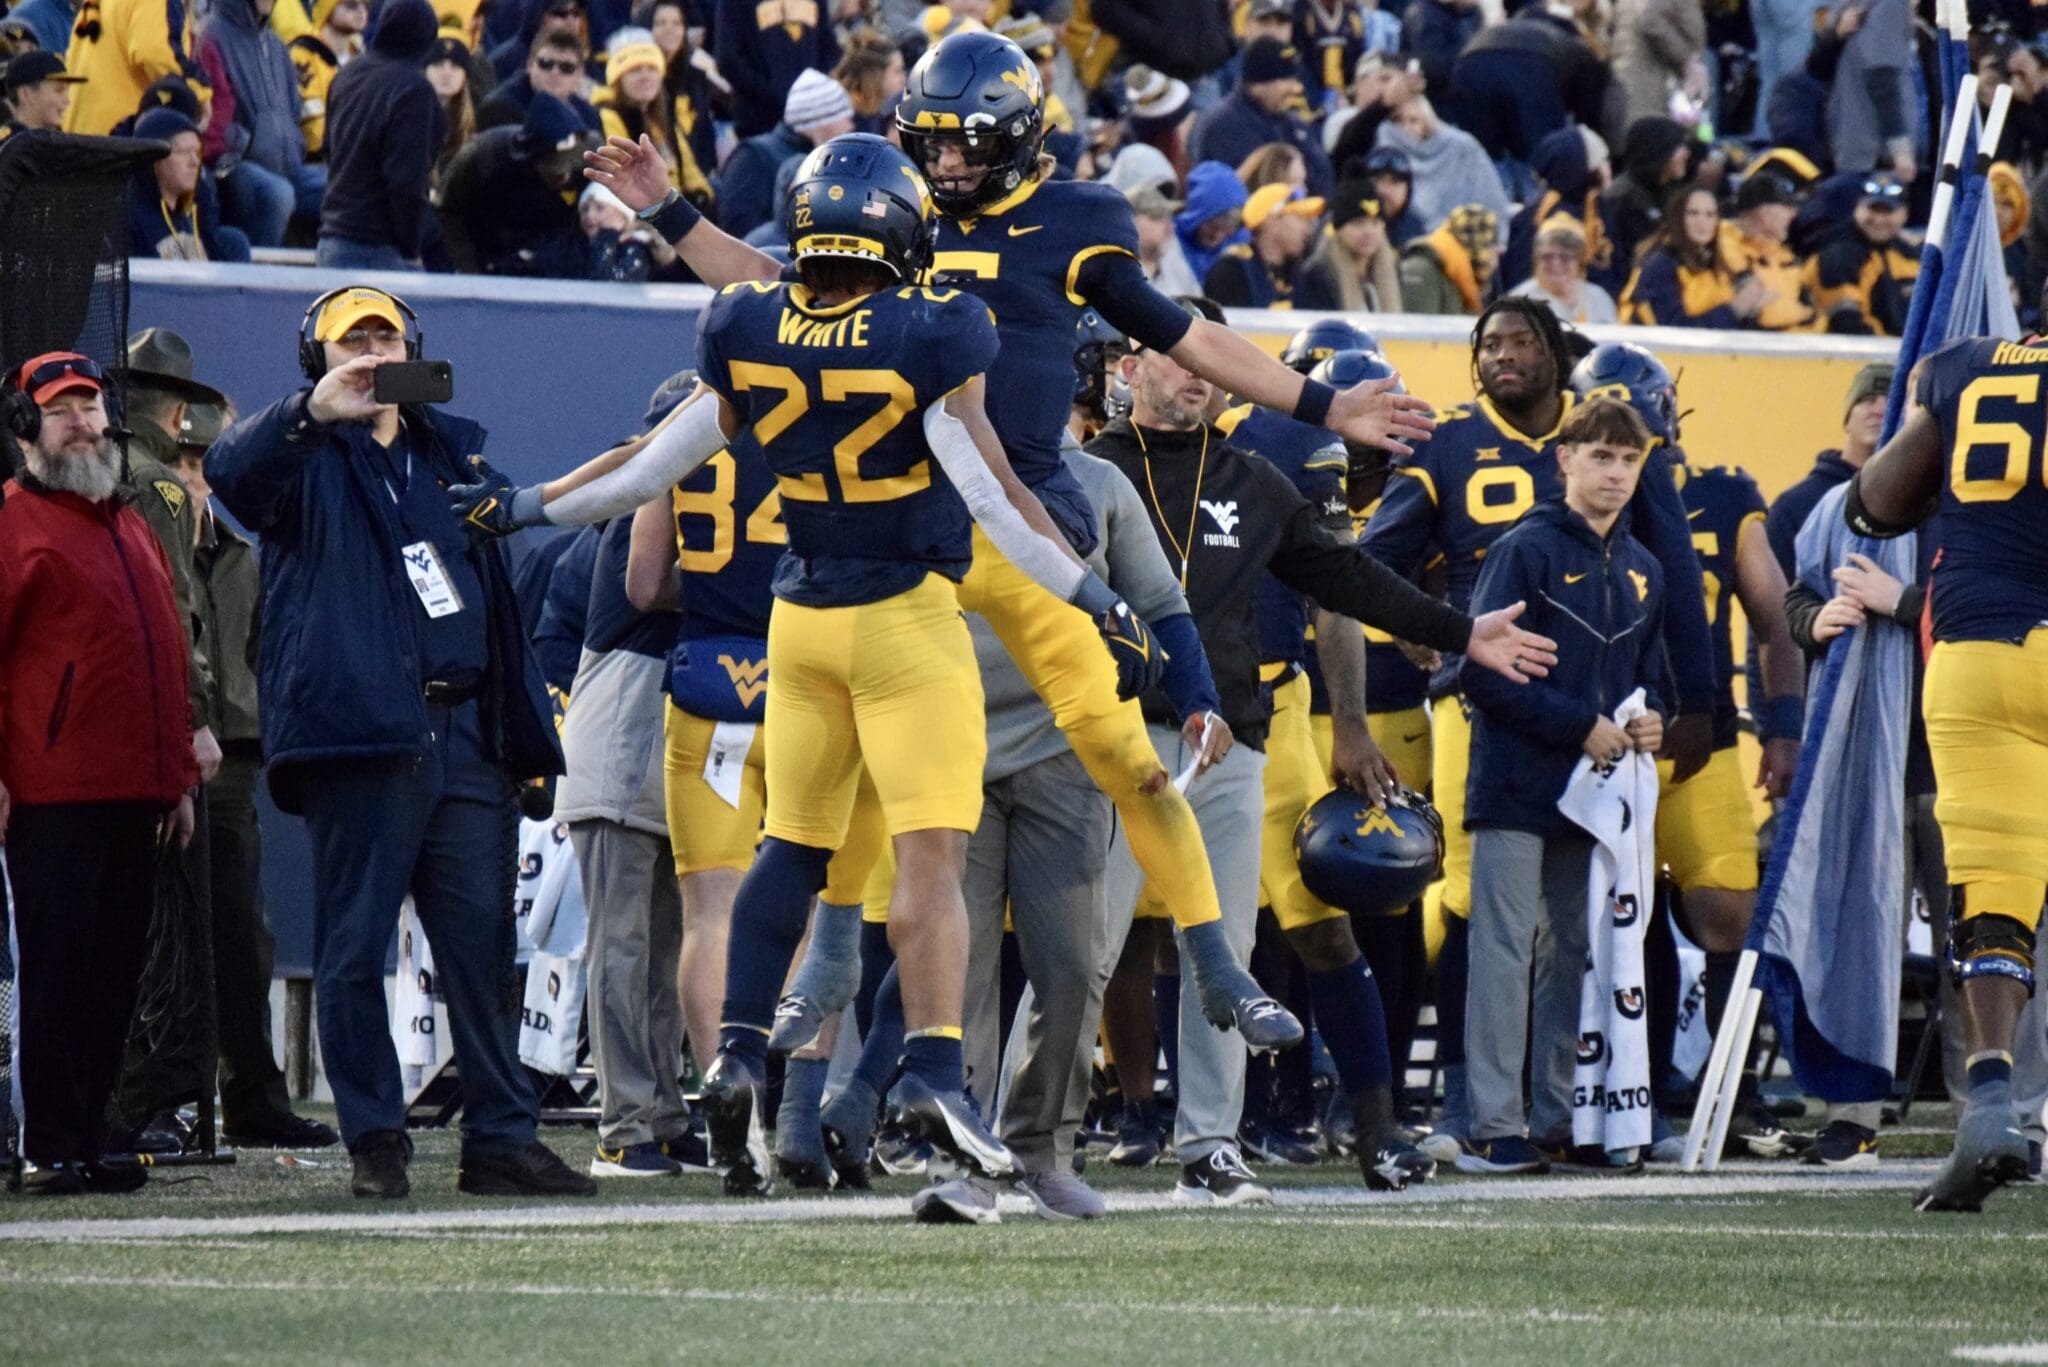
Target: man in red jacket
<point>96,762</point>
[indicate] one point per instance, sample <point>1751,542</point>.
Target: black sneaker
<point>279,1130</point>
<point>1393,1164</point>
<point>47,1179</point>
<point>1844,1146</point>
<point>732,1120</point>
<point>531,1170</point>
<point>379,1159</point>
<point>1221,1179</point>
<point>113,1179</point>
<point>1755,1132</point>
<point>1137,1138</point>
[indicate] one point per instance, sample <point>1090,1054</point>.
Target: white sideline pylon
<point>1717,1069</point>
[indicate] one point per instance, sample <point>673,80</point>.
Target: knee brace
<point>1988,946</point>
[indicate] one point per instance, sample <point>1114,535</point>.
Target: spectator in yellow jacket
<point>1754,247</point>
<point>118,47</point>
<point>1680,279</point>
<point>317,56</point>
<point>635,99</point>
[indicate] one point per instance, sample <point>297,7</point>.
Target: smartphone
<point>414,382</point>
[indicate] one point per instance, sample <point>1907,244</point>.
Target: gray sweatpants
<point>1229,803</point>
<point>1039,853</point>
<point>636,1018</point>
<point>1528,913</point>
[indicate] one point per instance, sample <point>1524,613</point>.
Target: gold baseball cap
<point>352,306</point>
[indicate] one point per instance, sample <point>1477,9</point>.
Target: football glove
<point>1139,660</point>
<point>486,505</point>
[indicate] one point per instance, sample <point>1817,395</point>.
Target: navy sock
<point>876,959</point>
<point>882,1046</point>
<point>1166,1011</point>
<point>768,919</point>
<point>937,1059</point>
<point>1353,1022</point>
<point>1450,992</point>
<point>1990,1071</point>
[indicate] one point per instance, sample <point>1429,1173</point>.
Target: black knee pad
<point>1988,946</point>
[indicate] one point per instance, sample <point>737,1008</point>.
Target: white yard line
<point>1505,1191</point>
<point>2004,1352</point>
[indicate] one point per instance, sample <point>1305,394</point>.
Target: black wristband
<point>1313,407</point>
<point>674,219</point>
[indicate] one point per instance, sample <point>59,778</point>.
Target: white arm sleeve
<point>990,507</point>
<point>693,438</point>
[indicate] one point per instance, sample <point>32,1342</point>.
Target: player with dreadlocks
<point>1491,461</point>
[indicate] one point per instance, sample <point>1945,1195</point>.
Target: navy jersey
<point>1023,258</point>
<point>1478,475</point>
<point>834,399</point>
<point>1392,683</point>
<point>1313,460</point>
<point>1722,506</point>
<point>1991,580</point>
<point>729,539</point>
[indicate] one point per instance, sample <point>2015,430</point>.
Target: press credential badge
<point>429,580</point>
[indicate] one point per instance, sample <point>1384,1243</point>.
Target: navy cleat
<point>951,1123</point>
<point>1272,1142</point>
<point>798,1020</point>
<point>1394,1164</point>
<point>1990,1151</point>
<point>1137,1139</point>
<point>732,1120</point>
<point>848,1155</point>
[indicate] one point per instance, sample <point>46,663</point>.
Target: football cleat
<point>1273,1143</point>
<point>1990,1151</point>
<point>1394,1165</point>
<point>1754,1132</point>
<point>1137,1140</point>
<point>798,1020</point>
<point>957,1201</point>
<point>848,1156</point>
<point>1221,1179</point>
<point>1239,1003</point>
<point>732,1121</point>
<point>896,1154</point>
<point>951,1123</point>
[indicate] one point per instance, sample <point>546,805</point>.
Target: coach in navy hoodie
<point>1599,594</point>
<point>384,125</point>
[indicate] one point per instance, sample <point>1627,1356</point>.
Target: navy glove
<point>1139,660</point>
<point>486,506</point>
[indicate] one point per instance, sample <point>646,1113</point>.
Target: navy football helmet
<point>1367,859</point>
<point>1097,344</point>
<point>1355,365</point>
<point>1625,371</point>
<point>856,196</point>
<point>1319,339</point>
<point>983,90</point>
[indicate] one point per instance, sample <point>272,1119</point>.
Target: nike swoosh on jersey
<point>1575,578</point>
<point>1410,740</point>
<point>1016,231</point>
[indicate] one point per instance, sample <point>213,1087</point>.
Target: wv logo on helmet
<point>1377,822</point>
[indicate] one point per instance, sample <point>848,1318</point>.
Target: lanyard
<point>1194,504</point>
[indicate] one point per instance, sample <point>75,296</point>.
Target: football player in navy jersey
<point>1973,452</point>
<point>1036,251</point>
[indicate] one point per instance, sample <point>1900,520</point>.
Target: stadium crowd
<point>1449,160</point>
<point>1655,161</point>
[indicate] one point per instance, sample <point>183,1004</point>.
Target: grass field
<point>1760,1263</point>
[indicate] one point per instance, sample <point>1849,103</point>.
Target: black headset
<point>313,355</point>
<point>23,416</point>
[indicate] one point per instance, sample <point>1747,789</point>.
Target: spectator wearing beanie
<point>1449,166</point>
<point>1392,177</point>
<point>1260,274</point>
<point>1146,178</point>
<point>1654,154</point>
<point>1518,82</point>
<point>172,212</point>
<point>337,39</point>
<point>252,137</point>
<point>1862,280</point>
<point>1213,217</point>
<point>1450,270</point>
<point>1160,114</point>
<point>762,51</point>
<point>385,129</point>
<point>1571,170</point>
<point>1559,278</point>
<point>554,65</point>
<point>49,21</point>
<point>635,100</point>
<point>1353,267</point>
<point>451,71</point>
<point>818,109</point>
<point>1261,110</point>
<point>502,205</point>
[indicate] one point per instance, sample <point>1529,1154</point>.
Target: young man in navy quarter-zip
<point>1599,594</point>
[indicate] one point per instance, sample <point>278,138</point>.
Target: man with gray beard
<point>96,762</point>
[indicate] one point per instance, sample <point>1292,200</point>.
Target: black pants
<point>251,1083</point>
<point>82,876</point>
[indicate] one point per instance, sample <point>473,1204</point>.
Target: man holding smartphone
<point>401,708</point>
